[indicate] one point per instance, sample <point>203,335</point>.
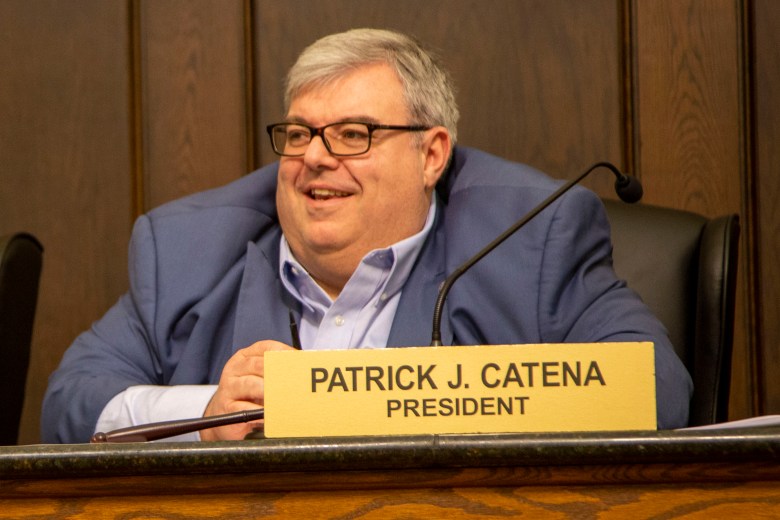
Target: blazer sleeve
<point>116,353</point>
<point>581,297</point>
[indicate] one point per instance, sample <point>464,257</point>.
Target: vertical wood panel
<point>192,102</point>
<point>539,81</point>
<point>767,122</point>
<point>689,103</point>
<point>64,156</point>
<point>690,119</point>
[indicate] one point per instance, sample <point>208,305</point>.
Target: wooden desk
<point>625,475</point>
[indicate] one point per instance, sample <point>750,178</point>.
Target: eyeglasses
<point>342,139</point>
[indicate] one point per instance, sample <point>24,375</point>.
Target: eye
<point>352,133</point>
<point>298,135</point>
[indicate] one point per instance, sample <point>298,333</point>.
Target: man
<point>350,235</point>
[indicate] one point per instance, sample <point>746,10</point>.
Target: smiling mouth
<point>323,194</point>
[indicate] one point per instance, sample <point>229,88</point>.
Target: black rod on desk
<point>162,430</point>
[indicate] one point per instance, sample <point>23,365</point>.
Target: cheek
<point>287,172</point>
<point>400,200</point>
<point>288,178</point>
<point>285,196</point>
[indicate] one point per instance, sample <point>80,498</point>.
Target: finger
<point>242,365</point>
<point>250,360</point>
<point>245,388</point>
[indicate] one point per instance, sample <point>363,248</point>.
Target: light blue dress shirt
<point>362,315</point>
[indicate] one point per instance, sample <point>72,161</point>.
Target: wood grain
<point>193,99</point>
<point>667,491</point>
<point>742,501</point>
<point>688,103</point>
<point>691,118</point>
<point>767,121</point>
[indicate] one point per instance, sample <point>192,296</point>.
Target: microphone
<point>162,430</point>
<point>628,188</point>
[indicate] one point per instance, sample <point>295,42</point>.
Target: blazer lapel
<point>412,325</point>
<point>262,307</point>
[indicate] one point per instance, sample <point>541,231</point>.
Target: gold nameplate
<point>477,389</point>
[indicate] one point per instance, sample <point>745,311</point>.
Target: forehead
<point>372,92</point>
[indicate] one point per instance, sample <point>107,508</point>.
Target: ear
<point>436,150</point>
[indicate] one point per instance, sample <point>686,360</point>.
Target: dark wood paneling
<point>689,106</point>
<point>64,156</point>
<point>767,122</point>
<point>193,102</point>
<point>539,81</point>
<point>691,122</point>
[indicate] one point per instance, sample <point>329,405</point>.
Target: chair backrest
<point>684,266</point>
<point>20,269</point>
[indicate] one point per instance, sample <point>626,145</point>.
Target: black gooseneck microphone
<point>628,188</point>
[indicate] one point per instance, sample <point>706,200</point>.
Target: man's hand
<point>241,387</point>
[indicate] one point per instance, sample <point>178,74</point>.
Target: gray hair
<point>428,89</point>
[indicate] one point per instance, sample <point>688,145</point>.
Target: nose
<point>317,156</point>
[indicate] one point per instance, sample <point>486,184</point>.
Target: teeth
<point>320,193</point>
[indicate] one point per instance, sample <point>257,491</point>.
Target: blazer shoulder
<point>205,234</point>
<point>471,168</point>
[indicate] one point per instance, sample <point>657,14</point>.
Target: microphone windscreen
<point>629,189</point>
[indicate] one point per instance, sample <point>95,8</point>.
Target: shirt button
<point>339,321</point>
<point>383,297</point>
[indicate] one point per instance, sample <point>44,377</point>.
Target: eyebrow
<point>351,119</point>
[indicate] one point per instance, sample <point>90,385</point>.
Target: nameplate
<point>475,389</point>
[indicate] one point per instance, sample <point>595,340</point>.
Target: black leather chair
<point>20,269</point>
<point>684,266</point>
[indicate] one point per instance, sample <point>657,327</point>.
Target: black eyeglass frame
<point>315,131</point>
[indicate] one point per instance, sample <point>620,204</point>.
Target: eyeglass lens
<point>340,138</point>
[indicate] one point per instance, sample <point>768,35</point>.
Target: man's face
<point>333,210</point>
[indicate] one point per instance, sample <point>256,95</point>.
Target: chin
<point>322,243</point>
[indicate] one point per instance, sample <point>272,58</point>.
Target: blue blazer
<point>204,283</point>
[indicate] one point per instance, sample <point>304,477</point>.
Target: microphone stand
<point>628,189</point>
